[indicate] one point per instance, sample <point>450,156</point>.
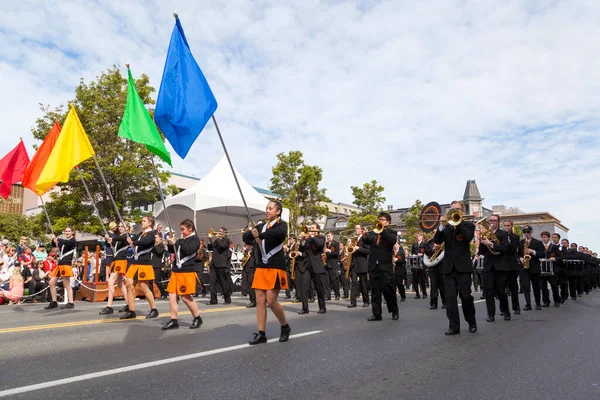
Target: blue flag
<point>185,102</point>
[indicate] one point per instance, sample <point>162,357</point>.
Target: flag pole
<point>112,199</point>
<point>162,197</point>
<point>87,190</point>
<point>47,216</point>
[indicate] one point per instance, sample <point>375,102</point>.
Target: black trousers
<point>455,284</point>
<point>327,284</point>
<point>553,281</point>
<point>334,282</point>
<point>359,280</point>
<point>219,276</point>
<point>495,284</point>
<point>401,285</point>
<point>249,279</point>
<point>382,282</point>
<point>530,281</point>
<point>157,280</point>
<point>437,285</point>
<point>303,289</point>
<point>345,282</point>
<point>477,280</point>
<point>513,286</point>
<point>572,286</point>
<point>318,282</point>
<point>419,277</point>
<point>563,284</point>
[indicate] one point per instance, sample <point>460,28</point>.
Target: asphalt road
<point>76,354</point>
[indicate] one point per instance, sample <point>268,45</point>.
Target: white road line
<point>476,301</point>
<point>100,374</point>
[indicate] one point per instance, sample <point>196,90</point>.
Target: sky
<point>420,96</point>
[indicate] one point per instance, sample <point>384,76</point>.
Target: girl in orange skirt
<point>118,267</point>
<point>184,274</point>
<point>64,270</point>
<point>140,271</point>
<point>270,276</point>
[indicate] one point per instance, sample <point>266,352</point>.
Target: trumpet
<point>306,230</point>
<point>212,233</point>
<point>378,227</point>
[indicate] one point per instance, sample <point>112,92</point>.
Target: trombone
<point>230,232</point>
<point>306,230</point>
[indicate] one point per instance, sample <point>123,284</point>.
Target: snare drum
<point>415,262</point>
<point>569,266</point>
<point>547,267</point>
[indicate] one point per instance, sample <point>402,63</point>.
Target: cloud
<point>421,96</point>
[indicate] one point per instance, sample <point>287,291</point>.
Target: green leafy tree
<point>298,186</point>
<point>13,226</point>
<point>127,166</point>
<point>370,199</point>
<point>411,221</point>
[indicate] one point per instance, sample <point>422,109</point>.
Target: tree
<point>127,166</point>
<point>369,198</point>
<point>13,226</point>
<point>411,221</point>
<point>298,186</point>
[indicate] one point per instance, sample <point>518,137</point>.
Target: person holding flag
<point>66,252</point>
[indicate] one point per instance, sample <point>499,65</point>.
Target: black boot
<point>172,324</point>
<point>196,323</point>
<point>152,314</point>
<point>259,338</point>
<point>285,333</point>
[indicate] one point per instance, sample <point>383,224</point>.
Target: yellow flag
<point>72,147</point>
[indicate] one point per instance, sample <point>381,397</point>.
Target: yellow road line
<point>101,321</point>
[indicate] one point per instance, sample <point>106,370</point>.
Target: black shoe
<point>517,311</point>
<point>527,308</point>
<point>433,307</point>
<point>538,307</point>
<point>424,296</point>
<point>124,309</point>
<point>451,332</point>
<point>507,316</point>
<point>258,339</point>
<point>472,328</point>
<point>52,305</point>
<point>491,319</point>
<point>417,297</point>
<point>443,306</point>
<point>482,297</point>
<point>302,312</point>
<point>321,311</point>
<point>172,324</point>
<point>556,304</point>
<point>311,300</point>
<point>196,323</point>
<point>106,311</point>
<point>128,315</point>
<point>285,333</point>
<point>366,305</point>
<point>337,298</point>
<point>374,318</point>
<point>546,305</point>
<point>562,301</point>
<point>403,299</point>
<point>345,297</point>
<point>67,306</point>
<point>328,299</point>
<point>210,303</point>
<point>152,314</point>
<point>227,302</point>
<point>251,305</point>
<point>395,316</point>
<point>296,300</point>
<point>573,298</point>
<point>351,305</point>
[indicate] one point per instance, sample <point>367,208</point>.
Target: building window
<point>341,224</point>
<point>346,211</point>
<point>336,209</point>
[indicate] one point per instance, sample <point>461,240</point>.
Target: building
<point>19,200</point>
<point>539,222</point>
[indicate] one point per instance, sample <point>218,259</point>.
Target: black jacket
<point>360,257</point>
<point>381,253</point>
<point>185,252</point>
<point>312,250</point>
<point>400,268</point>
<point>498,261</point>
<point>65,247</point>
<point>534,263</point>
<point>157,255</point>
<point>332,257</point>
<point>143,242</point>
<point>457,249</point>
<point>272,238</point>
<point>221,255</point>
<point>512,251</point>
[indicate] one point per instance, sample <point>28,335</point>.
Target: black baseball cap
<point>527,229</point>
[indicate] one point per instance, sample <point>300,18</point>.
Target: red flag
<point>38,162</point>
<point>12,167</point>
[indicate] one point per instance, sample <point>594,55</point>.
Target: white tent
<point>214,202</point>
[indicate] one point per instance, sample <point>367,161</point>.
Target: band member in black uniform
<point>157,262</point>
<point>202,259</point>
<point>312,249</point>
<point>66,252</point>
<point>219,266</point>
<point>381,267</point>
<point>457,269</point>
<point>418,275</point>
<point>552,253</point>
<point>140,271</point>
<point>513,265</point>
<point>570,254</point>
<point>344,282</point>
<point>117,268</point>
<point>332,250</point>
<point>249,268</point>
<point>530,280</point>
<point>292,285</point>
<point>495,268</point>
<point>359,270</point>
<point>400,270</point>
<point>270,275</point>
<point>435,279</point>
<point>560,270</point>
<point>184,275</point>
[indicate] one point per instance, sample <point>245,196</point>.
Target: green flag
<point>137,125</point>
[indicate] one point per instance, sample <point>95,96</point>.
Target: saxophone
<point>246,258</point>
<point>349,251</point>
<point>293,255</point>
<point>324,255</point>
<point>526,257</point>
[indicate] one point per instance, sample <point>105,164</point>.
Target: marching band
<point>451,255</point>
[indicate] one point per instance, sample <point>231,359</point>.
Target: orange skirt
<point>62,271</point>
<point>118,266</point>
<point>140,272</point>
<point>183,283</point>
<point>270,278</point>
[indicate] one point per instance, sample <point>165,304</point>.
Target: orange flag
<point>33,171</point>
